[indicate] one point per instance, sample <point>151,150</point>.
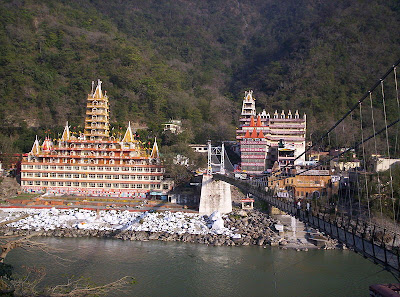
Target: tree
<point>28,284</point>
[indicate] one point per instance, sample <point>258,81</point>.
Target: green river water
<point>184,269</point>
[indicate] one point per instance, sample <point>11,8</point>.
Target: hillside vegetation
<point>189,60</point>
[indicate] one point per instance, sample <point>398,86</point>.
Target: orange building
<point>312,183</point>
<point>94,163</point>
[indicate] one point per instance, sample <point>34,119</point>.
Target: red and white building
<point>94,163</point>
<point>266,139</point>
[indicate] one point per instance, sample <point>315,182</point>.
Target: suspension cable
<point>357,175</point>
<point>364,163</point>
<point>398,108</point>
<point>351,148</point>
<point>388,149</point>
<point>350,111</point>
<point>376,155</point>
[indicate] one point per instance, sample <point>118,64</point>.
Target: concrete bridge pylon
<point>215,196</point>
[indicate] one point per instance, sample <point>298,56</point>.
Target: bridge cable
<point>349,111</point>
<point>364,163</point>
<point>357,176</point>
<point>376,155</point>
<point>388,149</point>
<point>398,108</point>
<point>351,148</point>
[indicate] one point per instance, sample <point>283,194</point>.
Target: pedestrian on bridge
<point>298,208</point>
<point>308,207</point>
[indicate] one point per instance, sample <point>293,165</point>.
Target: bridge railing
<point>372,241</point>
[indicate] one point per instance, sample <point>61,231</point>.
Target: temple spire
<point>128,137</point>
<point>66,135</point>
<point>154,152</point>
<point>252,124</point>
<point>97,114</point>
<point>98,92</point>
<point>36,147</point>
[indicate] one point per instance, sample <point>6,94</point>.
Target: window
<point>139,186</point>
<point>101,185</point>
<point>30,183</point>
<point>100,176</point>
<point>76,175</point>
<point>67,167</point>
<point>84,168</point>
<point>116,168</point>
<point>52,174</point>
<point>115,185</point>
<point>67,175</point>
<point>125,186</point>
<point>60,167</point>
<point>83,175</point>
<point>125,168</point>
<point>116,177</point>
<point>45,167</point>
<point>92,175</point>
<point>83,184</point>
<point>37,174</point>
<point>138,177</point>
<point>107,176</point>
<point>37,166</point>
<point>108,185</point>
<point>60,175</point>
<point>76,184</point>
<point>45,183</point>
<point>108,168</point>
<point>60,184</point>
<point>68,184</point>
<point>37,183</point>
<point>92,185</point>
<point>133,186</point>
<point>146,177</point>
<point>92,168</point>
<point>100,168</point>
<point>153,169</point>
<point>53,167</point>
<point>125,176</point>
<point>76,167</point>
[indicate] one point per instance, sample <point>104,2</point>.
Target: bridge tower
<point>215,195</point>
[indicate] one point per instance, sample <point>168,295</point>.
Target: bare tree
<point>28,284</point>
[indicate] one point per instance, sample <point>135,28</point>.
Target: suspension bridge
<point>365,214</point>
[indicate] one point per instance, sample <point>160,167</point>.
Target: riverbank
<point>238,228</point>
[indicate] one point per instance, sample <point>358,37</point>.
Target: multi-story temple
<point>94,163</point>
<point>266,139</point>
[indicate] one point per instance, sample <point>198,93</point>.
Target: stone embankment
<point>239,228</point>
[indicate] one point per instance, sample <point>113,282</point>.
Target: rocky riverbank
<point>238,228</point>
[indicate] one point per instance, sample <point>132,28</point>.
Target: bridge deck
<point>361,237</point>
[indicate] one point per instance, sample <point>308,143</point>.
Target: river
<point>183,269</point>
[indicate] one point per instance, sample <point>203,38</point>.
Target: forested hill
<point>187,59</point>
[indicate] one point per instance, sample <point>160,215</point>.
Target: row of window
<point>95,154</point>
<point>91,176</point>
<point>90,185</point>
<point>93,168</point>
<point>32,158</point>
